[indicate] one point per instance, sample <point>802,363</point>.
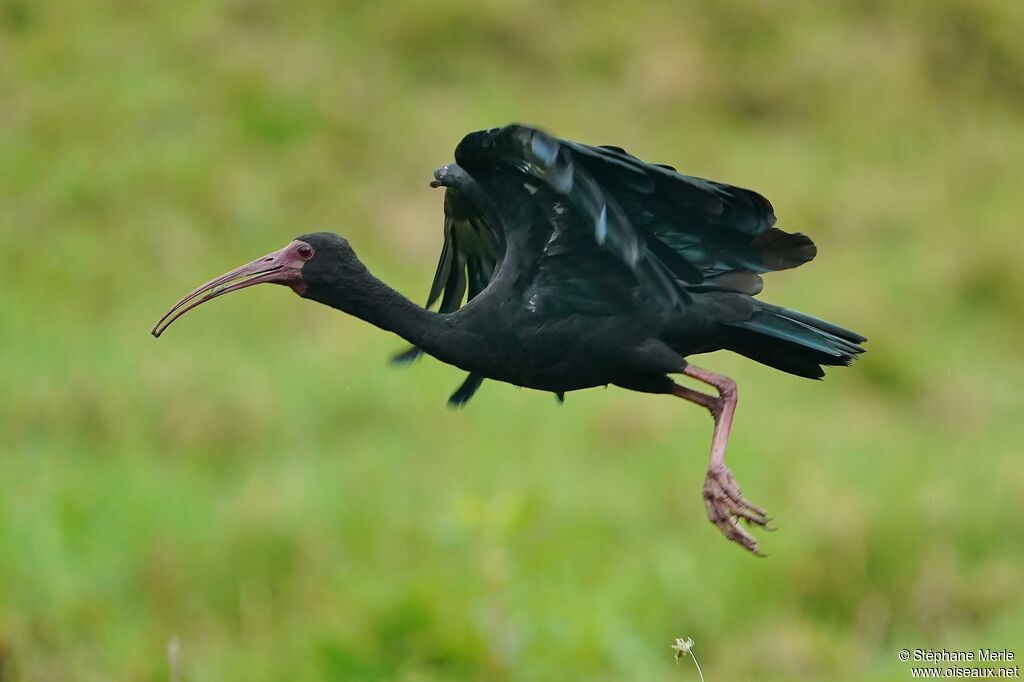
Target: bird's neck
<point>359,293</point>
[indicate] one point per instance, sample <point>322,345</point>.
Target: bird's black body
<point>586,266</point>
<point>582,266</point>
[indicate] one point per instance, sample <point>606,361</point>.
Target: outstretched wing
<point>674,233</point>
<point>471,251</point>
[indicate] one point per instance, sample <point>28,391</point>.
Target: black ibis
<point>582,266</point>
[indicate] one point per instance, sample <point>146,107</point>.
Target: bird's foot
<point>726,505</point>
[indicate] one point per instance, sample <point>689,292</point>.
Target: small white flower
<point>682,647</point>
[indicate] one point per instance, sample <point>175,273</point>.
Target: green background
<point>260,487</point>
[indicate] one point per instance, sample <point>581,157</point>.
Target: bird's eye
<point>305,251</point>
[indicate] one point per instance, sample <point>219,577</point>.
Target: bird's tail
<point>792,341</point>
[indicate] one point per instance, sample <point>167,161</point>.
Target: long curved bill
<point>280,267</point>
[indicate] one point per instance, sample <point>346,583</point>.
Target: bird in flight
<point>568,266</point>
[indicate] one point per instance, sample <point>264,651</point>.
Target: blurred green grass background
<point>261,488</point>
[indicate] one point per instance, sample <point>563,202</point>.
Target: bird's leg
<point>722,497</point>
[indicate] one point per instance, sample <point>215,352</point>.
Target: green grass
<point>260,485</point>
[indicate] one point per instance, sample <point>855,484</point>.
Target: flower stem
<point>698,666</point>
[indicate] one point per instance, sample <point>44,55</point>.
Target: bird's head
<point>308,264</point>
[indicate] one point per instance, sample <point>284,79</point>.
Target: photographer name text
<point>982,655</point>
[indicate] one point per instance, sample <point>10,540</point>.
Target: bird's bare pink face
<point>280,267</point>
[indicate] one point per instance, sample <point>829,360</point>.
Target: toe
<point>737,534</point>
<point>751,516</point>
<point>733,492</point>
<point>721,515</point>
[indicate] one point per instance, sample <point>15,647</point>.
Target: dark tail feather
<point>792,341</point>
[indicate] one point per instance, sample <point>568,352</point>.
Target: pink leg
<point>722,497</point>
